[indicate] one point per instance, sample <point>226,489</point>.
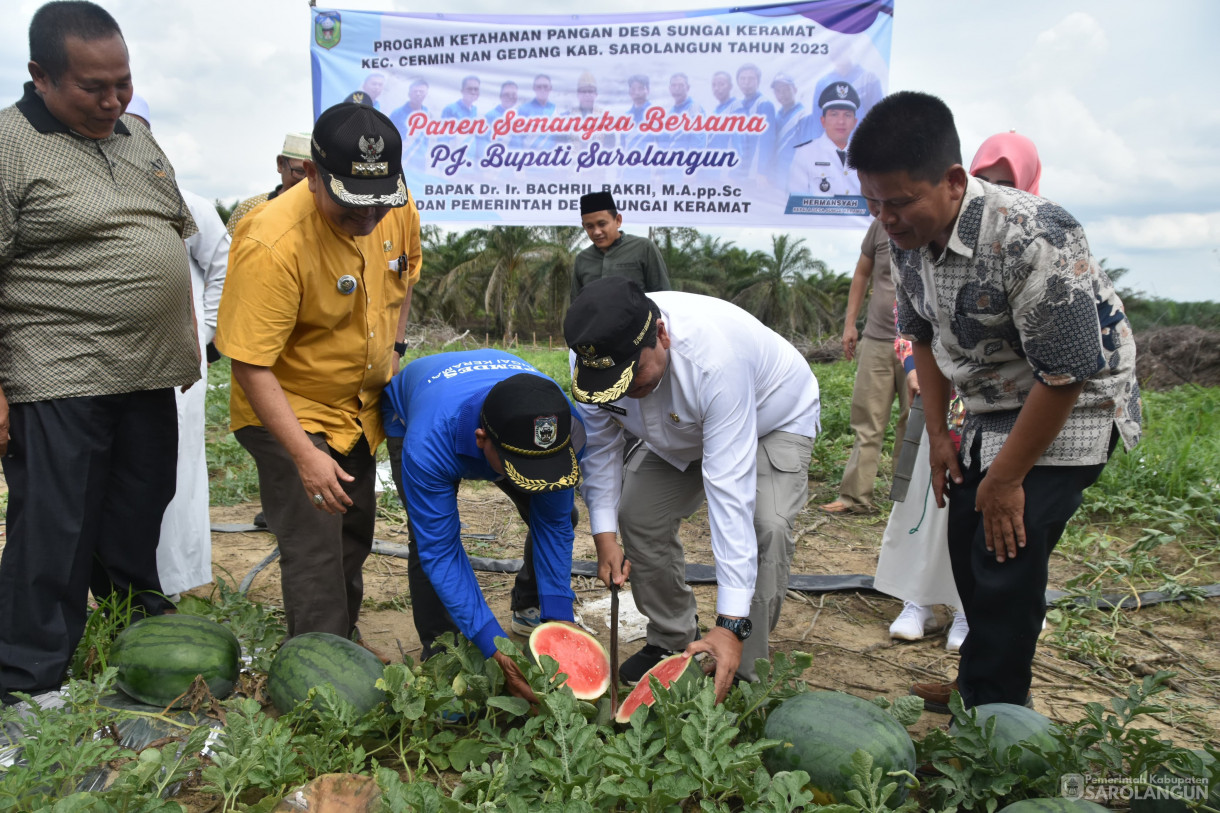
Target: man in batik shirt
<point>1003,300</point>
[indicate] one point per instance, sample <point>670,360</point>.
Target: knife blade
<point>613,648</point>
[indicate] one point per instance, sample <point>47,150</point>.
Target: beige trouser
<point>879,376</point>
<point>656,498</point>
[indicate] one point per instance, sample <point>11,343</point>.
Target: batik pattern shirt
<point>1016,297</point>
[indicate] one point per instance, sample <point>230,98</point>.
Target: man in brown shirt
<point>879,373</point>
<point>95,332</point>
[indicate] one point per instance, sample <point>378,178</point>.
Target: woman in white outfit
<point>184,554</point>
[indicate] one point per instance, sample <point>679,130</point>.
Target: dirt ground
<point>846,632</point>
<point>1184,354</point>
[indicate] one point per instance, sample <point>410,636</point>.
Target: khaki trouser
<point>879,376</point>
<point>657,496</point>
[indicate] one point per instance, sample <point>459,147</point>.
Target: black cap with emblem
<point>358,152</point>
<point>608,325</point>
<point>529,421</point>
<point>839,94</point>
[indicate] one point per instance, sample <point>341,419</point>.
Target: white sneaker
<point>912,623</point>
<point>957,632</point>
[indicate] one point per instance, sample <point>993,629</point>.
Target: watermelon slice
<point>579,655</point>
<point>666,672</point>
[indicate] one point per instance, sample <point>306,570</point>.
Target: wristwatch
<point>400,348</point>
<point>741,627</point>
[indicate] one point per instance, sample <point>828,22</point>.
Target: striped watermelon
<point>820,731</point>
<point>1017,725</point>
<point>1160,800</point>
<point>1056,805</point>
<point>159,657</point>
<point>317,658</point>
<point>579,656</point>
<point>666,671</point>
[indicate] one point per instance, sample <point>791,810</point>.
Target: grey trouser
<point>656,498</point>
<point>321,555</point>
<point>879,377</point>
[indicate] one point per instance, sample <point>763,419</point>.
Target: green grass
<point>1176,466</point>
<point>231,471</point>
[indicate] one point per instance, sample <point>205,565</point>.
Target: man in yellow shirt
<point>313,315</point>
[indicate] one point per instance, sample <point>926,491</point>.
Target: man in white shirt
<point>725,408</point>
<point>184,554</point>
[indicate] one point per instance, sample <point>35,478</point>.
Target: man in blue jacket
<point>482,415</point>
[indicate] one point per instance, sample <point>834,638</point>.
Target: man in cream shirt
<point>726,409</point>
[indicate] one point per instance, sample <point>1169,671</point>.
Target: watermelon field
<point>1126,681</point>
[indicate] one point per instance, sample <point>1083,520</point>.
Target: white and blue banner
<point>736,117</point>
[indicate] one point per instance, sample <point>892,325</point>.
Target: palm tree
<point>504,264</point>
<point>440,292</point>
<point>768,291</point>
<point>820,300</point>
<point>674,245</point>
<point>557,248</point>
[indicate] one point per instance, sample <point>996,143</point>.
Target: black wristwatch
<point>400,348</point>
<point>741,627</point>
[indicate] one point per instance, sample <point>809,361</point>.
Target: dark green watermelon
<point>821,730</point>
<point>1056,805</point>
<point>1018,725</point>
<point>1152,801</point>
<point>318,658</point>
<point>159,657</point>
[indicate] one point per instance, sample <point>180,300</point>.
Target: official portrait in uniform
<point>819,166</point>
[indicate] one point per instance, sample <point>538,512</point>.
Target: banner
<point>736,117</point>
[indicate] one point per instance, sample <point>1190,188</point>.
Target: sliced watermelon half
<point>579,656</point>
<point>666,672</point>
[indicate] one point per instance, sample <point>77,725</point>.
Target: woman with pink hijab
<point>914,561</point>
<point>1008,159</point>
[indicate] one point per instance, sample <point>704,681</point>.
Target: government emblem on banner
<point>326,25</point>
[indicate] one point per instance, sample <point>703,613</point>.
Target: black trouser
<point>431,617</point>
<point>88,479</point>
<point>1005,602</point>
<point>321,555</point>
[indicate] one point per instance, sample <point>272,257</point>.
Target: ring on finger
<point>318,499</point>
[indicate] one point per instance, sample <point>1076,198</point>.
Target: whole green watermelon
<point>1018,725</point>
<point>318,658</point>
<point>159,657</point>
<point>1150,801</point>
<point>1056,805</point>
<point>821,730</point>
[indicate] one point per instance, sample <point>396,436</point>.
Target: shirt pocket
<point>985,333</point>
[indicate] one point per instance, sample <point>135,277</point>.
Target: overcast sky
<point>1121,99</point>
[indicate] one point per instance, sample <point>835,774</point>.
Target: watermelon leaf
<point>906,709</point>
<point>516,706</point>
<point>466,753</point>
<point>869,795</point>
